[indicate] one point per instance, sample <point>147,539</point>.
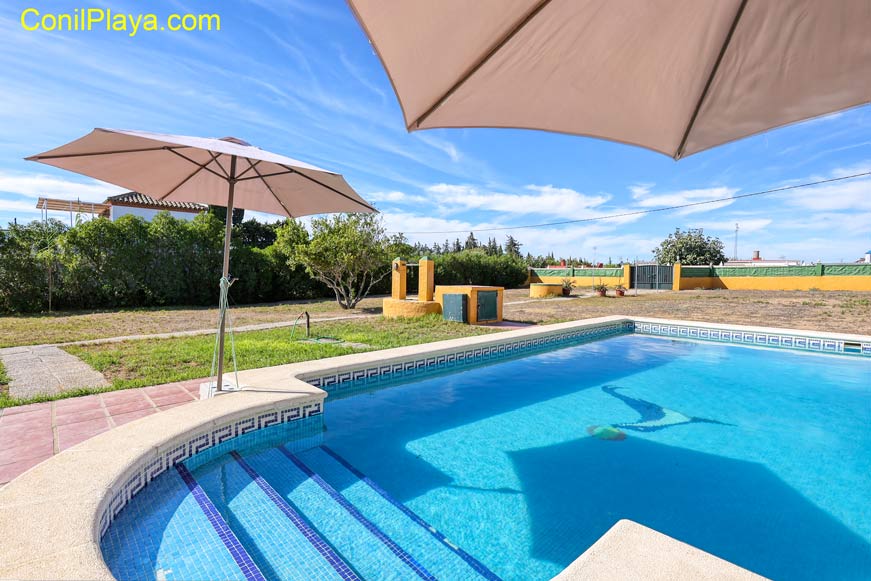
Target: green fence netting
<point>577,272</point>
<point>809,270</point>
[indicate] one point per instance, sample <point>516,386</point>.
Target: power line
<point>652,210</point>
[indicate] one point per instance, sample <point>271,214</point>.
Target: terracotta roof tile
<point>137,199</point>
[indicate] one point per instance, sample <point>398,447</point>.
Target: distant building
<point>136,204</point>
<point>131,203</point>
<point>867,258</point>
<point>757,260</point>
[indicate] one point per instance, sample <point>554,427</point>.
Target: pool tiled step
<point>430,548</point>
<point>182,537</point>
<point>276,537</point>
<point>368,550</point>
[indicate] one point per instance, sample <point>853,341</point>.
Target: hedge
<point>133,263</point>
<point>104,264</point>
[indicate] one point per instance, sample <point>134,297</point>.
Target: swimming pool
<point>511,470</point>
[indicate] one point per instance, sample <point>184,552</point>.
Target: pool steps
<point>246,564</point>
<point>315,516</point>
<point>286,547</point>
<point>445,559</point>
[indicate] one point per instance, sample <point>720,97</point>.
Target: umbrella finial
<point>235,140</point>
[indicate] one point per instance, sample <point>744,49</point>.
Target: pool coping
<point>55,533</point>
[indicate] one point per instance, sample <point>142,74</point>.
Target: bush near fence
<point>133,263</point>
<point>104,264</point>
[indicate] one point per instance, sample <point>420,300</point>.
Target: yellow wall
<point>393,308</point>
<point>426,279</point>
<point>830,283</point>
<point>398,280</point>
<point>472,292</point>
<point>539,290</point>
<point>584,281</point>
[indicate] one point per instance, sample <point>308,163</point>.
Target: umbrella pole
<point>219,385</point>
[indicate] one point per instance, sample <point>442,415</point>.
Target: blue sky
<point>300,78</point>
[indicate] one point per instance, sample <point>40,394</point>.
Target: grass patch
<point>150,362</point>
<point>4,381</point>
<point>61,327</point>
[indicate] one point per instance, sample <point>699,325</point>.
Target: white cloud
<point>745,226</point>
<point>853,195</point>
<point>442,145</point>
<point>395,197</point>
<point>645,199</point>
<point>546,200</point>
<point>42,185</point>
<point>18,206</point>
<point>640,190</point>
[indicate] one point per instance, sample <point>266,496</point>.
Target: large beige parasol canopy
<point>224,172</point>
<point>674,76</point>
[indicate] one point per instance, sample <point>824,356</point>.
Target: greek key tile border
<point>757,338</point>
<point>472,356</point>
<point>198,443</point>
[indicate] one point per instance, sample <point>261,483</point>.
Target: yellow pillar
<point>426,279</point>
<point>675,284</point>
<point>627,276</point>
<point>398,279</point>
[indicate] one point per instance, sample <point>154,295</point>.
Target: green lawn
<point>4,380</point>
<point>150,362</point>
<point>67,326</point>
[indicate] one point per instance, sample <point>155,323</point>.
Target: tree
<point>690,247</point>
<point>348,253</point>
<point>512,246</point>
<point>254,233</point>
<point>221,212</point>
<point>471,242</point>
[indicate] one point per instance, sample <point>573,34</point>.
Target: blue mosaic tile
<point>316,541</point>
<point>394,548</point>
<point>775,340</point>
<point>471,561</point>
<point>238,552</point>
<point>268,428</point>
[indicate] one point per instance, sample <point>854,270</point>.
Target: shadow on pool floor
<point>737,510</point>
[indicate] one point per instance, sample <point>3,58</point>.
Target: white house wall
<point>116,212</point>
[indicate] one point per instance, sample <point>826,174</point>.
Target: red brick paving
<point>32,433</point>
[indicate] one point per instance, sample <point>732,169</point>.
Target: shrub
<point>476,267</point>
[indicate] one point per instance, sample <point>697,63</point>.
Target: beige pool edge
<point>632,551</point>
<point>49,516</point>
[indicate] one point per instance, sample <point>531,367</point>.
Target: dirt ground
<point>847,312</point>
<point>833,311</point>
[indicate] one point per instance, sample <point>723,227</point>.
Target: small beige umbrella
<point>674,76</point>
<point>224,172</point>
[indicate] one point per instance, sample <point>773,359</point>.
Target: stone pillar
<point>426,279</point>
<point>398,280</point>
<point>627,276</point>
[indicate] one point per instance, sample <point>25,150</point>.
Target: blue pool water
<point>760,457</point>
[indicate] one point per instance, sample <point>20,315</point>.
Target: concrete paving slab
<point>46,369</point>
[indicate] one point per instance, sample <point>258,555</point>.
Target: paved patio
<point>41,369</point>
<point>33,433</point>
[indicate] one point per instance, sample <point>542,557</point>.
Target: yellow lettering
<point>95,15</point>
<point>209,19</point>
<point>49,22</point>
<point>150,23</point>
<point>24,14</point>
<point>119,22</point>
<point>135,24</point>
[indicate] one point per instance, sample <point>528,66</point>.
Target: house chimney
<point>756,255</point>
